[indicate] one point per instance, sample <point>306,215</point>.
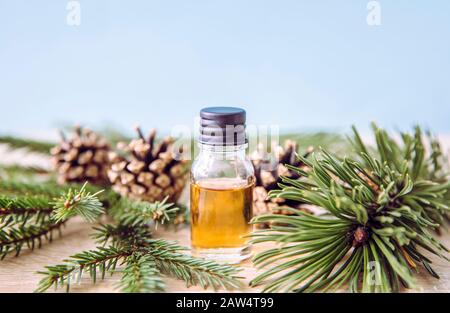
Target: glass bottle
<point>222,181</point>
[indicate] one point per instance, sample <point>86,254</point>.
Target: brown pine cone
<point>268,170</point>
<point>147,171</point>
<point>84,157</point>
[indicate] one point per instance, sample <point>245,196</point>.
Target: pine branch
<point>331,141</point>
<point>411,155</point>
<point>81,203</point>
<point>439,162</point>
<point>13,239</point>
<point>380,216</point>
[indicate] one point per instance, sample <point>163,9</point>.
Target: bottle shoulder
<point>212,167</point>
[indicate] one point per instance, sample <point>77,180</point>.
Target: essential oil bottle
<point>222,181</point>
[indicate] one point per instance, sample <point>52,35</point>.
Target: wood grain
<point>19,274</point>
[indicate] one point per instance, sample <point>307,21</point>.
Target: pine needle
<point>381,208</point>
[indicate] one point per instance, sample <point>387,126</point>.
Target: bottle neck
<point>226,152</point>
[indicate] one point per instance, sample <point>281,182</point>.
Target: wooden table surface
<point>19,274</point>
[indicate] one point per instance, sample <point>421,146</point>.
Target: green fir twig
<point>81,203</point>
<point>100,260</point>
<point>30,144</point>
<point>13,239</point>
<point>27,220</point>
<point>21,209</point>
<point>136,212</point>
<point>141,275</point>
<point>128,248</point>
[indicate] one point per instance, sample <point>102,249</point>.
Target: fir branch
<point>25,220</point>
<point>134,212</point>
<point>167,256</point>
<point>31,145</point>
<point>380,212</point>
<point>193,271</point>
<point>81,203</point>
<point>121,235</point>
<point>18,171</point>
<point>13,239</point>
<point>141,275</point>
<point>182,216</point>
<point>20,209</point>
<point>48,188</point>
<point>17,187</point>
<point>145,258</point>
<point>99,261</point>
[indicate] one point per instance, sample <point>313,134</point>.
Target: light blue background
<point>300,64</point>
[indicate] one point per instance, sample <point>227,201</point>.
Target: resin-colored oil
<point>221,209</point>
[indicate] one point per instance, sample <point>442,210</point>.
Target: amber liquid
<point>221,210</point>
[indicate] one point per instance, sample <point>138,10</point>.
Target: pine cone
<point>268,169</point>
<point>84,157</point>
<point>145,171</point>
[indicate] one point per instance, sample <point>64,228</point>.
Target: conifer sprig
<point>21,172</point>
<point>380,215</point>
<point>31,145</point>
<point>128,248</point>
<point>20,209</point>
<point>94,262</point>
<point>30,208</point>
<point>14,238</point>
<point>145,260</point>
<point>133,212</point>
<point>21,188</point>
<point>141,275</point>
<point>30,219</point>
<point>194,271</point>
<point>120,235</point>
<point>421,155</point>
<point>81,203</point>
<point>168,256</point>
